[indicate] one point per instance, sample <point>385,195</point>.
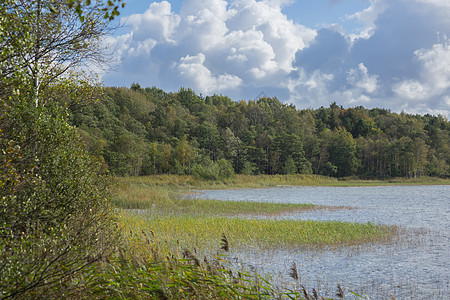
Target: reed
<point>162,198</point>
<point>201,233</point>
<point>186,182</point>
<point>176,247</point>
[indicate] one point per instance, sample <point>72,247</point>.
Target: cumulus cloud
<point>368,18</point>
<point>436,66</point>
<point>438,3</point>
<point>192,69</point>
<point>434,76</point>
<point>214,45</point>
<point>398,59</point>
<point>433,84</point>
<point>157,23</point>
<point>360,78</point>
<point>411,89</point>
<point>403,64</point>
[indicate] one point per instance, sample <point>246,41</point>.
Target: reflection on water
<point>415,269</point>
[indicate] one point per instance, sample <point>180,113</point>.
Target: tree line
<point>143,131</point>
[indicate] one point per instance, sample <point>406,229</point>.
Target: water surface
<point>414,269</point>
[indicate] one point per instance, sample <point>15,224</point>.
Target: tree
<point>420,151</point>
<point>55,217</point>
<point>165,157</point>
<point>42,40</point>
<point>231,144</point>
<point>153,156</point>
<point>110,9</point>
<point>210,170</point>
<point>342,151</point>
<point>208,138</point>
<point>291,147</point>
<point>132,150</point>
<point>185,155</point>
<point>357,123</point>
<point>289,166</point>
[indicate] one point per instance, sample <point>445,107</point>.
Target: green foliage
<point>54,213</point>
<point>42,40</point>
<point>249,168</point>
<point>55,216</point>
<point>342,151</point>
<point>170,133</point>
<point>110,8</point>
<point>210,170</point>
<point>289,166</point>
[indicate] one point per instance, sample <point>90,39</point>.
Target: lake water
<point>416,268</point>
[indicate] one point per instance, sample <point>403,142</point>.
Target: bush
<point>249,168</point>
<point>210,170</point>
<point>55,217</point>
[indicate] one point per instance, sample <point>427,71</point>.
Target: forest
<point>67,143</point>
<point>145,131</point>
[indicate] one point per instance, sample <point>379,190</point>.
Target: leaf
<point>293,271</point>
<point>224,243</point>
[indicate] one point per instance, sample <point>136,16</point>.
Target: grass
<point>202,233</point>
<point>157,206</point>
<point>176,247</point>
<point>156,264</point>
<point>186,182</point>
<point>163,195</point>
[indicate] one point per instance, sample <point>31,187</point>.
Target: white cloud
<point>368,18</point>
<point>283,35</point>
<point>436,66</point>
<point>192,69</point>
<point>318,88</point>
<point>361,79</point>
<point>241,42</point>
<point>411,89</point>
<point>157,23</point>
<point>399,59</point>
<point>310,89</point>
<point>203,23</point>
<point>434,77</point>
<point>438,3</point>
<point>119,45</point>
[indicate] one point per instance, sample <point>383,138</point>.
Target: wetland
<point>414,266</point>
<point>379,241</point>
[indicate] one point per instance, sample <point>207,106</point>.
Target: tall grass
<point>173,246</point>
<point>186,182</point>
<point>161,197</point>
<point>155,262</point>
<point>190,232</point>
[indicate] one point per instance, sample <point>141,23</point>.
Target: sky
<point>392,54</point>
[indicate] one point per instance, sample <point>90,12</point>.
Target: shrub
<point>55,217</point>
<point>210,170</point>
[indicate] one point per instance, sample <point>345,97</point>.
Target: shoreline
<point>183,182</point>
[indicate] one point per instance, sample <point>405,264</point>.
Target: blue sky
<point>312,13</point>
<point>392,54</point>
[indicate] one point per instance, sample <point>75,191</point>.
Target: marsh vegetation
<point>65,234</point>
<point>269,235</point>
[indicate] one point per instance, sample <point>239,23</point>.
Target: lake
<point>415,267</point>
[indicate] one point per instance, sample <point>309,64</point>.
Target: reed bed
<point>187,182</point>
<point>231,208</point>
<point>202,233</point>
<point>175,247</point>
<point>157,205</point>
<point>162,198</point>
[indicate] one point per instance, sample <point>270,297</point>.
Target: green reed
<point>202,232</point>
